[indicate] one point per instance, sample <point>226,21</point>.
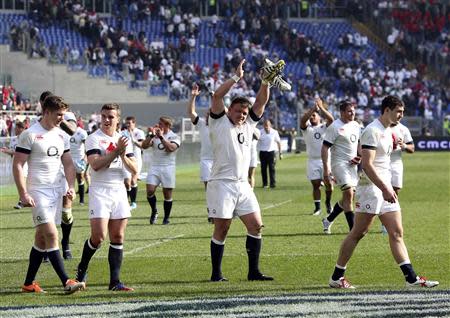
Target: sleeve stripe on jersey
<point>327,143</point>
<point>410,143</point>
<point>129,155</point>
<point>93,152</point>
<point>216,116</point>
<point>173,142</point>
<point>195,122</point>
<point>253,115</point>
<point>369,147</point>
<point>66,150</point>
<point>23,150</point>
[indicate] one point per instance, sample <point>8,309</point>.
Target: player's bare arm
<point>217,105</point>
<point>168,145</point>
<point>191,105</point>
<point>70,173</point>
<point>367,158</point>
<point>325,113</point>
<point>69,126</point>
<point>19,179</point>
<point>148,141</point>
<point>262,97</point>
<point>306,116</point>
<point>324,153</point>
<point>98,162</point>
<point>129,163</point>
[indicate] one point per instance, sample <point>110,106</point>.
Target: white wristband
<point>235,78</point>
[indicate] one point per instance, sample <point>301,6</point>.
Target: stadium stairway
<point>367,31</point>
<point>33,76</point>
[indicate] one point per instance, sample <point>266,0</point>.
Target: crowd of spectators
<point>259,26</point>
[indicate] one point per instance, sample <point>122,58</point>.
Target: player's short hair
<point>20,124</point>
<point>245,102</point>
<point>343,104</point>
<point>167,120</point>
<point>54,103</point>
<point>44,95</point>
<point>390,102</point>
<point>132,118</point>
<point>112,106</point>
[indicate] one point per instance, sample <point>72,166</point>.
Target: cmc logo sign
<point>432,143</point>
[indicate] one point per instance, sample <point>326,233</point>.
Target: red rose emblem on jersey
<point>111,147</point>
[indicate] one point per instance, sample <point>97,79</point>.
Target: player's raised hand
<point>240,69</point>
<point>195,90</point>
<point>318,104</point>
<point>158,132</point>
<point>122,144</point>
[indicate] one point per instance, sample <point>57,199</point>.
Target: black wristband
<point>161,138</point>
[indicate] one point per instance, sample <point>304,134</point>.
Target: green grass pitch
<point>172,262</point>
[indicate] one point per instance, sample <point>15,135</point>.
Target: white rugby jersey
<point>268,141</point>
<point>313,139</point>
<point>13,141</point>
<point>136,135</point>
<point>231,147</point>
<point>399,131</point>
<point>160,157</point>
<point>45,148</point>
<point>205,141</point>
<point>77,140</point>
<point>343,139</point>
<point>377,137</point>
<point>102,144</point>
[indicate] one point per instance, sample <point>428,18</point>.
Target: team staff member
<point>313,131</point>
<point>269,143</point>
<point>341,144</point>
<point>229,194</point>
<point>108,153</point>
<point>164,143</point>
<point>45,147</point>
<point>376,197</point>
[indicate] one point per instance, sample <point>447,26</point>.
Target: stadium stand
<point>164,49</point>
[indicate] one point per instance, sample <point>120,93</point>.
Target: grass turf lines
<point>166,263</point>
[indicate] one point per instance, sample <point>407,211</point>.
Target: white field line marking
<point>138,249</point>
<point>275,205</point>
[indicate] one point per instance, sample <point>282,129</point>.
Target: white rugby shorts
<point>397,174</point>
<point>48,205</point>
<point>227,199</point>
<point>205,169</point>
<point>162,175</point>
<point>108,202</point>
<point>369,199</point>
<point>345,174</point>
<point>314,169</point>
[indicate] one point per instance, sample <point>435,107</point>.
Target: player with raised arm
<point>313,130</point>
<point>228,193</point>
